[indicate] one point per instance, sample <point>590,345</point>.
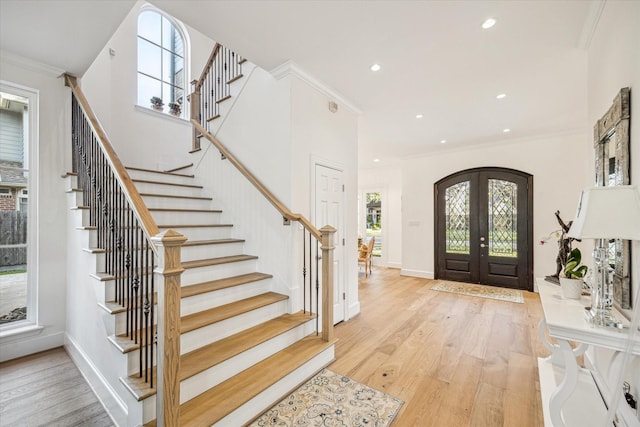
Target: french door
<point>484,227</point>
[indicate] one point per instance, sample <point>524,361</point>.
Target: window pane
<point>503,218</point>
<point>374,222</point>
<point>167,33</point>
<point>172,69</point>
<point>149,26</point>
<point>149,58</point>
<point>148,88</point>
<point>457,218</point>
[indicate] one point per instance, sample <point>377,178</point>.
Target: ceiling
<point>435,59</point>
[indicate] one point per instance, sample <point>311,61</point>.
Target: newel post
<point>194,101</point>
<point>168,272</point>
<point>327,281</point>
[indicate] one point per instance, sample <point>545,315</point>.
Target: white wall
<point>614,63</point>
<point>53,115</point>
<point>388,180</point>
<point>141,136</point>
<point>330,139</point>
<point>558,177</point>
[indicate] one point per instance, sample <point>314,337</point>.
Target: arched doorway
<point>484,227</point>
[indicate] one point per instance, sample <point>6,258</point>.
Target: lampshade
<point>608,213</point>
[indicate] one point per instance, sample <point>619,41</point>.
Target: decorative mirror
<point>611,141</point>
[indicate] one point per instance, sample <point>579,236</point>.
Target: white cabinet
<point>570,396</point>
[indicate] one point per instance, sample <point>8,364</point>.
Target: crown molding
<point>289,68</point>
<point>590,24</point>
<point>29,64</point>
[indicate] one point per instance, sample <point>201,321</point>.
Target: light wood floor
<point>46,389</point>
<point>455,360</point>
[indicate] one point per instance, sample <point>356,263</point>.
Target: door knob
<point>482,239</point>
<point>482,245</point>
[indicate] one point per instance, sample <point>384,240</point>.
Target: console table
<point>570,396</point>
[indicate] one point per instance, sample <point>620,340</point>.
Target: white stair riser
<point>213,376</point>
<point>176,203</point>
<point>192,276</point>
<point>276,392</point>
<point>216,331</point>
<point>156,188</point>
<point>191,253</point>
<point>74,198</point>
<point>213,299</point>
<point>97,262</point>
<point>202,233</point>
<point>151,176</point>
<point>172,217</point>
<point>80,216</point>
<point>133,361</point>
<point>70,181</point>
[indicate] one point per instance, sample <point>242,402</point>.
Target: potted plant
<point>175,108</point>
<point>157,104</point>
<point>573,273</point>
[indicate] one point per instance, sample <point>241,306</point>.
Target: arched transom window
<point>161,63</point>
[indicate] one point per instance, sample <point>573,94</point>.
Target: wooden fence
<point>13,238</point>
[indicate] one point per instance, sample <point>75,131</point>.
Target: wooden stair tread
<point>217,261</point>
<point>236,78</point>
<point>217,314</point>
<point>179,168</point>
<point>193,225</point>
<point>212,118</point>
<point>224,98</point>
<point>149,181</point>
<point>156,171</point>
<point>217,402</point>
<point>184,210</point>
<point>212,354</point>
<point>216,285</point>
<point>173,196</point>
<point>211,242</point>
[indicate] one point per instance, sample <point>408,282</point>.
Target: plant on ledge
<point>175,108</point>
<point>573,269</point>
<point>157,104</point>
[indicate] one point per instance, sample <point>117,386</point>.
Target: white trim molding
<point>29,64</point>
<point>417,273</point>
<point>290,68</point>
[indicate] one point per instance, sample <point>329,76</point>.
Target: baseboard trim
<point>396,265</point>
<point>354,309</point>
<point>23,345</point>
<point>113,405</point>
<point>417,273</point>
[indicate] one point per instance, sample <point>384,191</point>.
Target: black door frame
<point>439,239</point>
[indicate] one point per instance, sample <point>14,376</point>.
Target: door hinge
<point>343,188</point>
<point>344,296</point>
<point>343,241</point>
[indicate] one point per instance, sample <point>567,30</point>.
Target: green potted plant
<point>175,108</point>
<point>573,273</point>
<point>157,104</point>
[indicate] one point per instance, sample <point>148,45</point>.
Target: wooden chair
<point>364,256</point>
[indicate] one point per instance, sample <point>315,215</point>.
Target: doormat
<point>331,399</point>
<point>491,292</point>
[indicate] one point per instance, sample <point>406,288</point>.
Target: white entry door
<point>329,210</point>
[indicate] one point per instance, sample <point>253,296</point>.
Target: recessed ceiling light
<point>375,67</point>
<point>506,130</point>
<point>419,116</point>
<point>488,23</point>
<point>376,160</point>
<point>443,141</point>
<point>502,95</point>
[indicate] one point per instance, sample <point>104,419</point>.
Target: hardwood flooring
<point>46,389</point>
<point>455,360</point>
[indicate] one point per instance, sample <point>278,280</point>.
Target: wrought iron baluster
<point>152,340</point>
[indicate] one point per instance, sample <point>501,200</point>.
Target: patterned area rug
<point>492,292</point>
<point>331,399</point>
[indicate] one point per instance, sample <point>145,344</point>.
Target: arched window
<point>161,62</point>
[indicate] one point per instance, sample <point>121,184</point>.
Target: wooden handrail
<point>280,207</point>
<point>207,67</point>
<point>133,196</point>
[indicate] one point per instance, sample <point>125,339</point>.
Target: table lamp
<point>606,213</point>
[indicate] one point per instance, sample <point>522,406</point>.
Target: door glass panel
<point>457,218</point>
<point>374,222</point>
<point>503,216</point>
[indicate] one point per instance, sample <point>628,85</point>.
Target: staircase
<point>240,349</point>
